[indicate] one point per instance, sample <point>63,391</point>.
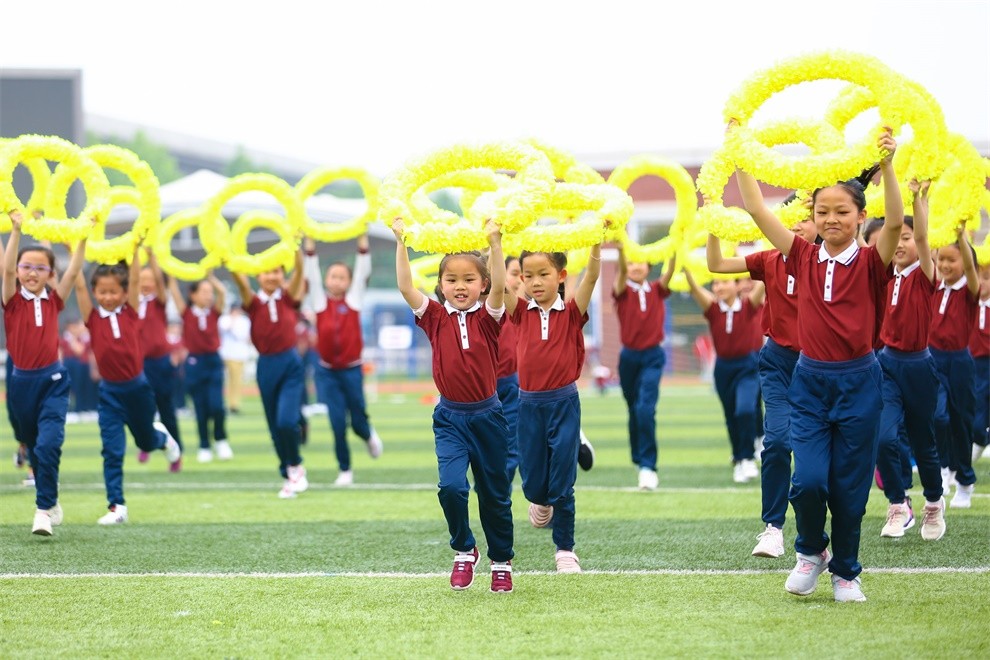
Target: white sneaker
<point>978,451</point>
<point>204,455</point>
<point>847,591</point>
<point>224,452</point>
<point>287,491</point>
<point>771,543</point>
<point>72,418</point>
<point>55,513</point>
<point>173,452</point>
<point>899,519</point>
<point>963,497</point>
<point>567,562</point>
<point>946,480</point>
<point>749,469</point>
<point>345,478</point>
<point>933,523</point>
<point>42,523</point>
<point>738,475</point>
<point>375,446</point>
<point>648,479</point>
<point>297,478</point>
<point>803,580</point>
<point>117,515</point>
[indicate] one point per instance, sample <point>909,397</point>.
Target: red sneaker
<point>463,574</point>
<point>501,577</point>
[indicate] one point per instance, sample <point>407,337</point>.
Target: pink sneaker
<point>462,576</point>
<point>176,466</point>
<point>501,577</point>
<point>142,457</point>
<point>877,478</point>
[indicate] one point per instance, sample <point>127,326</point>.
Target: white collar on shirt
<point>645,286</point>
<point>453,310</point>
<point>108,313</point>
<point>960,283</point>
<point>27,295</point>
<point>845,257</point>
<point>907,271</point>
<point>265,298</point>
<point>985,303</point>
<point>558,304</point>
<point>735,307</point>
<point>202,311</point>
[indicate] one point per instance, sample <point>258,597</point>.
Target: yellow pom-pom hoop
<point>348,229</point>
<point>40,175</point>
<point>424,271</point>
<point>54,226</point>
<point>162,247</point>
<point>282,253</point>
<point>146,200</point>
<point>684,195</point>
<point>214,232</point>
<point>958,195</point>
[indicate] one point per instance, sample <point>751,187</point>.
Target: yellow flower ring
<point>162,246</point>
<point>282,253</point>
<point>147,201</point>
<point>424,271</point>
<point>958,195</point>
<point>515,205</point>
<point>40,175</point>
<point>472,182</point>
<point>214,232</point>
<point>348,229</point>
<point>684,194</point>
<point>899,102</point>
<point>54,227</point>
<point>983,251</point>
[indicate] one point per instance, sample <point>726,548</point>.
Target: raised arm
<point>134,279</point>
<point>83,299</point>
<point>718,263</point>
<point>64,286</point>
<point>758,294</point>
<point>701,296</point>
<point>160,291</point>
<point>969,263</point>
<point>621,275</point>
<point>243,288</point>
<point>10,258</point>
<point>403,272</point>
<point>771,226</point>
<point>582,297</point>
<point>362,273</point>
<point>669,269</point>
<point>297,283</point>
<point>920,210</point>
<point>496,298</point>
<point>316,297</point>
<point>219,293</point>
<point>180,302</point>
<point>893,206</point>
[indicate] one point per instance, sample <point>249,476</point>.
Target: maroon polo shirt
<point>641,314</point>
<point>32,328</point>
<point>200,333</point>
<point>779,320</point>
<point>908,314</point>
<point>550,351</point>
<point>954,311</point>
<point>273,327</point>
<point>119,356</point>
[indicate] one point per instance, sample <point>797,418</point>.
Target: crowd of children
<point>867,350</point>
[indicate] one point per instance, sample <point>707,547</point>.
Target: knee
<point>450,493</point>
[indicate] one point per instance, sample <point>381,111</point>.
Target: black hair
<point>972,250</point>
<point>856,187</point>
<point>350,273</point>
<point>118,270</point>
<point>38,248</point>
<point>557,259</point>
<point>473,256</point>
<point>873,225</point>
<point>510,258</point>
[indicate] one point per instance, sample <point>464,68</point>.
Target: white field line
<point>273,485</point>
<point>402,575</point>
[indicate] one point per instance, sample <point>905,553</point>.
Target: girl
<point>38,390</point>
<point>339,378</point>
<point>910,386</point>
<point>777,359</point>
<point>640,310</point>
<point>468,423</point>
<point>835,388</point>
<point>507,383</point>
<point>954,307</point>
<point>157,359</point>
<point>550,355</point>
<point>273,312</point>
<point>204,368</point>
<point>979,346</point>
<point>126,397</point>
<point>732,320</point>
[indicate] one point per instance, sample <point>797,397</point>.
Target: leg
<point>214,390</point>
<point>235,381</point>
<point>332,394</point>
<point>746,393</point>
<point>811,441</point>
<point>488,458</point>
<point>775,470</point>
<point>629,381</point>
<point>452,463</point>
<point>197,380</point>
<point>889,450</point>
<point>287,409</point>
<point>563,425</point>
<point>353,386</point>
<point>919,387</point>
<point>962,410</point>
<point>646,407</point>
<point>508,394</point>
<point>534,459</point>
<point>160,374</point>
<point>113,414</point>
<point>723,387</point>
<point>269,383</point>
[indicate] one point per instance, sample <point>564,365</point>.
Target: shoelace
<point>892,513</point>
<point>806,566</point>
<point>931,516</point>
<point>845,584</point>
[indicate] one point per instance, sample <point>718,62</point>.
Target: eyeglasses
<point>35,268</point>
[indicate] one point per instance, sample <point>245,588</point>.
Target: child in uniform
<point>273,312</point>
<point>38,389</point>
<point>550,356</point>
<point>338,375</point>
<point>640,309</point>
<point>126,397</point>
<point>732,320</point>
<point>468,422</point>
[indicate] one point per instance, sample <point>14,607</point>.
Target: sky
<point>371,84</point>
